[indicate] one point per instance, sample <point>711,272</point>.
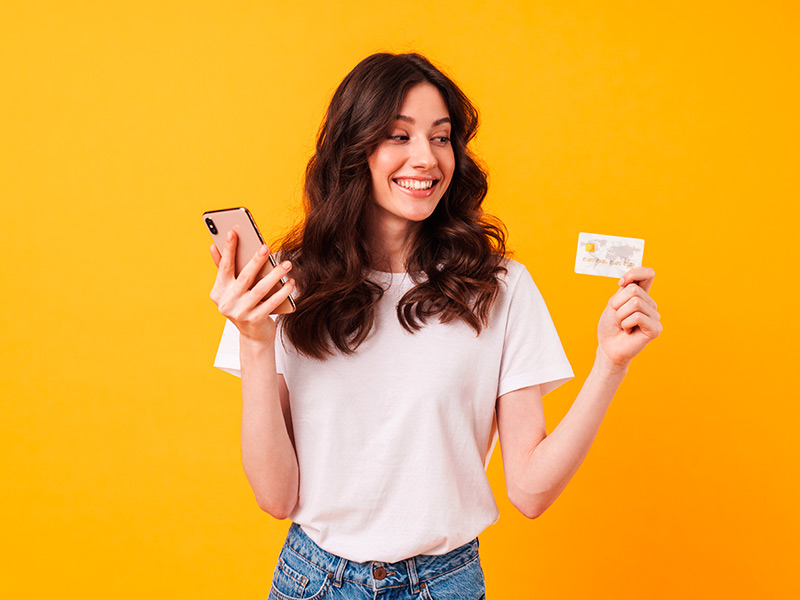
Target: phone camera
<point>211,227</point>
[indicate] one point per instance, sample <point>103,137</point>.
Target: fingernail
<point>230,235</point>
<point>286,265</point>
<point>263,250</point>
<point>621,281</point>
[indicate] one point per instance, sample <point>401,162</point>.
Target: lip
<point>418,193</point>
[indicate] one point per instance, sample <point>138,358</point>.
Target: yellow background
<point>120,123</point>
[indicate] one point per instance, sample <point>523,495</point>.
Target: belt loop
<point>337,576</point>
<point>413,578</point>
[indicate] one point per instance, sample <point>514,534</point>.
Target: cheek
<point>372,162</point>
<point>448,164</point>
<point>382,163</point>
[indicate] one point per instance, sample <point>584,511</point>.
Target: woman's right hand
<point>242,305</point>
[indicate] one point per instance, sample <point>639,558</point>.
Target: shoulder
<point>515,273</point>
<point>517,290</point>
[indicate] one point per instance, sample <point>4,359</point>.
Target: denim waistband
<point>414,571</point>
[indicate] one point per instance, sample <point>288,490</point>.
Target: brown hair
<point>456,254</point>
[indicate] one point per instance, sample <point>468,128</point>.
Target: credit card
<point>607,255</point>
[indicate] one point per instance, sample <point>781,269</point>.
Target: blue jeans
<point>306,571</point>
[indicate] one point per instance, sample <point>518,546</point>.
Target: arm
<point>538,466</point>
<point>268,454</point>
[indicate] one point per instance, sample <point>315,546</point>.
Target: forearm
<point>553,462</point>
<point>268,455</point>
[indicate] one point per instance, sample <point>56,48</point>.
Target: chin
<point>418,216</point>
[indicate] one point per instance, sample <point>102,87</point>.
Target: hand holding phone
<point>250,285</point>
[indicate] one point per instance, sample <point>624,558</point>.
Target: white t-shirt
<point>393,441</point>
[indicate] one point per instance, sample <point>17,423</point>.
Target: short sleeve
<point>532,352</point>
<point>227,357</point>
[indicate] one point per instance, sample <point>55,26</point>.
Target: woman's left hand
<point>630,320</point>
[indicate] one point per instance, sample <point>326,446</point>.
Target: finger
<point>228,260</point>
<point>643,276</point>
<point>273,302</point>
<point>648,326</point>
<point>633,306</point>
<point>632,290</point>
<point>215,255</point>
<point>262,289</point>
<point>251,270</point>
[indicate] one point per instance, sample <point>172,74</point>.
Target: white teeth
<point>415,184</point>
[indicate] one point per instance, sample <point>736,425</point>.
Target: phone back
<point>219,222</point>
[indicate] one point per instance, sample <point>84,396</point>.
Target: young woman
<point>369,414</point>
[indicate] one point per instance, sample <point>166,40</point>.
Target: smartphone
<point>220,222</point>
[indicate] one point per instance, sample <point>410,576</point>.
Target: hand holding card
<point>630,320</point>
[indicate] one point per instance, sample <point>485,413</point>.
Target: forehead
<point>423,104</point>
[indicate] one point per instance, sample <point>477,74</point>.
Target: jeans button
<point>379,573</point>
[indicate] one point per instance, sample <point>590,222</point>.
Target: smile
<point>416,184</point>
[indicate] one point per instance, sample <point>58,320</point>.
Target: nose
<point>422,156</point>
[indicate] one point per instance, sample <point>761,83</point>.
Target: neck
<point>389,242</point>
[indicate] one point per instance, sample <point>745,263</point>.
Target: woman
<point>415,343</point>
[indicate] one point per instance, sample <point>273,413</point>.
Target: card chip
<point>590,247</point>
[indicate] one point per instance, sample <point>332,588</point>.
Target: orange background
<point>120,123</point>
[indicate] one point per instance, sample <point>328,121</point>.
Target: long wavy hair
<point>454,257</point>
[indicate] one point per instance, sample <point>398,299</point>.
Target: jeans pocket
<point>463,583</point>
<point>297,579</point>
<point>287,582</point>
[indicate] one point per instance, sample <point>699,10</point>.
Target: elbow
<point>530,510</point>
<point>277,513</point>
<point>276,497</point>
<point>276,508</point>
<point>531,506</point>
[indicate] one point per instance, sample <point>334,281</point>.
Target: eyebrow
<point>436,123</point>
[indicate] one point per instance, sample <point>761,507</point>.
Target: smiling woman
<point>412,168</point>
<point>370,413</point>
<point>395,123</point>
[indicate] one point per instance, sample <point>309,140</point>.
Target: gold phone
<point>219,222</point>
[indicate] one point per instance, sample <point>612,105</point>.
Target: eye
<point>399,138</point>
<point>442,139</point>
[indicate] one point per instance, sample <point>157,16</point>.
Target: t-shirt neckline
<point>387,277</point>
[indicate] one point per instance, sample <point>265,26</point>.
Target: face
<point>412,168</point>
